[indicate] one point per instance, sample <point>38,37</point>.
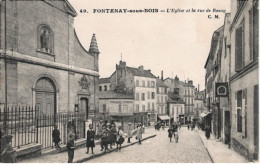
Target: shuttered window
<point>239,111</point>
<point>256,29</point>
<point>239,47</point>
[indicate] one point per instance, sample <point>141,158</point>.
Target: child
<point>8,153</point>
<point>170,131</point>
<point>120,139</point>
<point>71,147</point>
<point>56,137</point>
<point>90,139</point>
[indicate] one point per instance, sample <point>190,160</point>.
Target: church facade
<point>42,61</point>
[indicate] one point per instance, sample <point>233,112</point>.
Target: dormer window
<point>45,39</point>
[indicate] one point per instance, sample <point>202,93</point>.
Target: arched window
<point>105,88</point>
<point>45,39</point>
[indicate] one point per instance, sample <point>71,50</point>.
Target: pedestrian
<point>90,139</point>
<point>71,147</point>
<point>56,137</point>
<point>8,154</point>
<point>207,132</point>
<point>139,134</point>
<point>120,139</point>
<point>114,134</point>
<point>188,126</point>
<point>162,126</point>
<point>170,132</point>
<point>104,136</point>
<point>129,132</point>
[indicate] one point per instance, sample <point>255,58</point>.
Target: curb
<point>206,149</point>
<point>104,153</point>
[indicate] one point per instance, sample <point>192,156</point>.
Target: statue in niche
<point>44,39</point>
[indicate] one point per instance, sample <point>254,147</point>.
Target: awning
<point>164,117</point>
<point>204,114</point>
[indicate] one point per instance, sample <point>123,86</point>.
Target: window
<point>158,99</point>
<point>143,97</point>
<point>148,106</point>
<point>245,118</point>
<point>104,108</point>
<point>239,111</point>
<point>225,48</point>
<point>137,83</point>
<point>239,47</point>
<point>100,88</point>
<point>148,95</point>
<point>45,39</point>
<point>153,95</point>
<point>143,108</point>
<point>253,31</point>
<point>125,108</point>
<point>120,108</point>
<point>153,106</point>
<point>105,88</point>
<point>152,83</point>
<point>165,99</point>
<point>161,99</point>
<point>143,83</point>
<point>137,97</point>
<point>137,107</point>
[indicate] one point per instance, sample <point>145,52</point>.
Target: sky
<point>177,43</point>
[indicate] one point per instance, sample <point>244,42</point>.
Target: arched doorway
<point>45,96</point>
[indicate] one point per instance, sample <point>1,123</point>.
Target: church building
<point>42,62</point>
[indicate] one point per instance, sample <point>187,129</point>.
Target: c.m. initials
<point>215,16</point>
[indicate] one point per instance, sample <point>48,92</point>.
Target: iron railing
<point>27,126</point>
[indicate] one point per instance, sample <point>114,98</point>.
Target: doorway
<point>84,106</point>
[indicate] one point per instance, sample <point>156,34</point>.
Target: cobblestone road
<point>159,149</point>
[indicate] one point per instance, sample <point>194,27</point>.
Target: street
<point>159,149</point>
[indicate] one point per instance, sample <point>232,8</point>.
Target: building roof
<point>136,72</point>
<point>114,95</point>
<point>174,98</point>
<point>104,80</point>
<point>159,83</point>
<point>214,42</point>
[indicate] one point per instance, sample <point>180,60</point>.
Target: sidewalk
<point>219,152</point>
<point>80,153</point>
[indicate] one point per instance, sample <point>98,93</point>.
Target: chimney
<point>141,68</point>
<point>149,70</point>
<point>198,87</point>
<point>162,75</point>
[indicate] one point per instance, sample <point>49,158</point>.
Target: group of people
<point>173,132</point>
<point>191,126</point>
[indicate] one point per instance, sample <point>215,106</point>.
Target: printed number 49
<point>83,10</point>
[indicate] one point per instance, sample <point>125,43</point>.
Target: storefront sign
<point>221,89</point>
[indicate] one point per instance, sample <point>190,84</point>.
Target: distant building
<point>199,102</point>
<point>161,103</point>
<point>141,84</point>
<point>104,84</point>
<point>186,92</point>
<point>176,108</point>
<point>117,107</point>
